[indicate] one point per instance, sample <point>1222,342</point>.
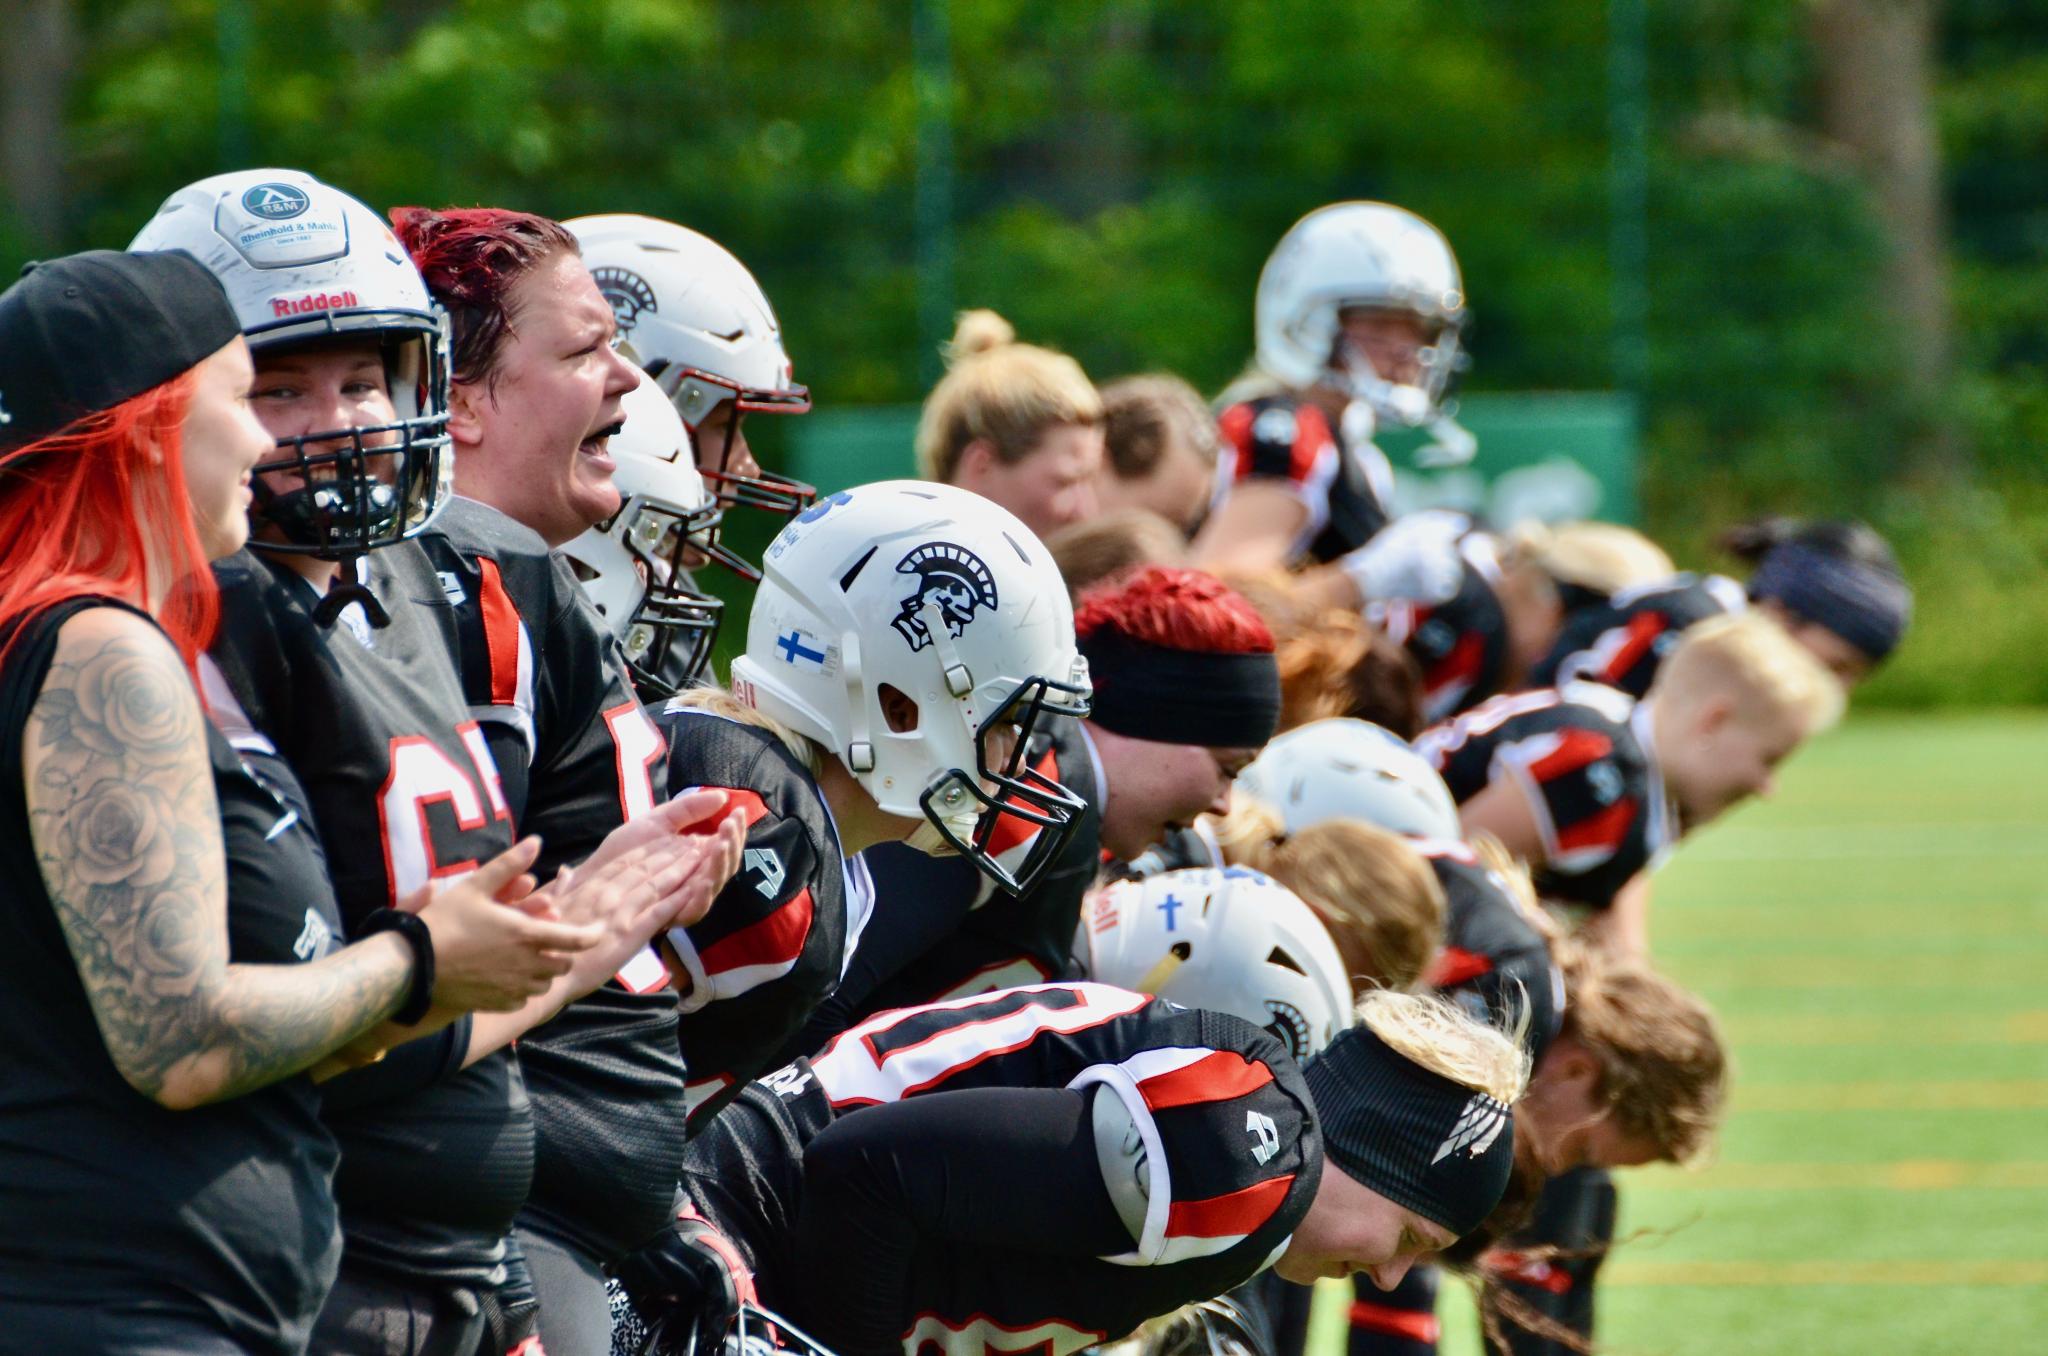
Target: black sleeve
<point>404,1070</point>
<point>763,958</point>
<point>1013,1169</point>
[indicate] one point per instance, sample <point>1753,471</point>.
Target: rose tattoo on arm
<point>127,833</point>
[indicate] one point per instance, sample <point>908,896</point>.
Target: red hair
<point>89,510</point>
<point>1174,610</point>
<point>471,257</point>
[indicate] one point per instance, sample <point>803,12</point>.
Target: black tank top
<point>220,1218</point>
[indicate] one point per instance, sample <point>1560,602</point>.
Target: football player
<point>1046,1168</point>
<point>698,322</point>
<point>636,566</point>
<point>1015,423</point>
<point>1358,316</point>
<point>336,654</point>
<point>1835,585</point>
<point>1593,789</point>
<point>906,643</point>
<point>537,396</point>
<point>1187,694</point>
<point>1629,1068</point>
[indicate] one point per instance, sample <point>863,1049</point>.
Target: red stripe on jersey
<point>1236,428</point>
<point>1311,440</point>
<point>501,632</point>
<point>777,939</point>
<point>1521,1269</point>
<point>1456,966</point>
<point>1231,1216</point>
<point>1461,665</point>
<point>1643,630</point>
<point>1575,749</point>
<point>1215,1077</point>
<point>1011,830</point>
<point>1606,829</point>
<point>1414,1324</point>
<point>739,798</point>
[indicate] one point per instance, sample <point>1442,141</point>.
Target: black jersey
<point>774,943</point>
<point>941,929</point>
<point>1622,641</point>
<point>1584,758</point>
<point>1494,961</point>
<point>546,681</point>
<point>1233,1152</point>
<point>1431,589</point>
<point>1285,439</point>
<point>219,1218</point>
<point>404,791</point>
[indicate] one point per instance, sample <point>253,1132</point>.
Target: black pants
<point>575,1312</point>
<point>1401,1322</point>
<point>1575,1216</point>
<point>370,1314</point>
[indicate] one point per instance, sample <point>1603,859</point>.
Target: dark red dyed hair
<point>1175,610</point>
<point>93,507</point>
<point>471,257</point>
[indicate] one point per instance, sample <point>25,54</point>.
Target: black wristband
<point>414,929</point>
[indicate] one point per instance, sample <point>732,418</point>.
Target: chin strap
<point>347,588</point>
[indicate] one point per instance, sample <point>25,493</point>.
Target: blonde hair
<point>1601,557</point>
<point>1001,392</point>
<point>1443,1039</point>
<point>1663,1062</point>
<point>1751,657</point>
<point>719,702</point>
<point>1095,549</point>
<point>1381,902</point>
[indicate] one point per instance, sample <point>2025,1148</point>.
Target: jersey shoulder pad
<point>1278,437</point>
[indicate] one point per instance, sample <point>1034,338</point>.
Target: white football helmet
<point>1360,255</point>
<point>302,262</point>
<point>1351,769</point>
<point>949,600</point>
<point>693,316</point>
<point>634,565</point>
<point>1231,940</point>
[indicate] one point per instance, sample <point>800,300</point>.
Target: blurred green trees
<point>1121,168</point>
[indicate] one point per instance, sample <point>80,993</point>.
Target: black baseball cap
<point>85,332</point>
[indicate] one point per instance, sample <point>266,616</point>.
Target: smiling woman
<point>171,1015</point>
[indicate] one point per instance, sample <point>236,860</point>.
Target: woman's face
<point>1351,1228</point>
<point>1048,487</point>
<point>543,423</point>
<point>223,442</point>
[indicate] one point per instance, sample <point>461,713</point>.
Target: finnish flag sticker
<point>801,649</point>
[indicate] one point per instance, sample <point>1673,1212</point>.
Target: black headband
<point>1864,604</point>
<point>1220,701</point>
<point>1416,1137</point>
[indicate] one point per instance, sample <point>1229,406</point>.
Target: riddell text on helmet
<point>317,301</point>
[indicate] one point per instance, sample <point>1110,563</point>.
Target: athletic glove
<point>688,1286</point>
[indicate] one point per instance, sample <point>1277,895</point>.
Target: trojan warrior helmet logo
<point>627,293</point>
<point>951,576</point>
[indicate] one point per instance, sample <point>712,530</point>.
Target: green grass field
<point>1876,942</point>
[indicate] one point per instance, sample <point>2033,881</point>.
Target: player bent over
<point>1046,1168</point>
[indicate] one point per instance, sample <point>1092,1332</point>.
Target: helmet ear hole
<point>897,709</point>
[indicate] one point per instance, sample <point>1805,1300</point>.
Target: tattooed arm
<point>127,831</point>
